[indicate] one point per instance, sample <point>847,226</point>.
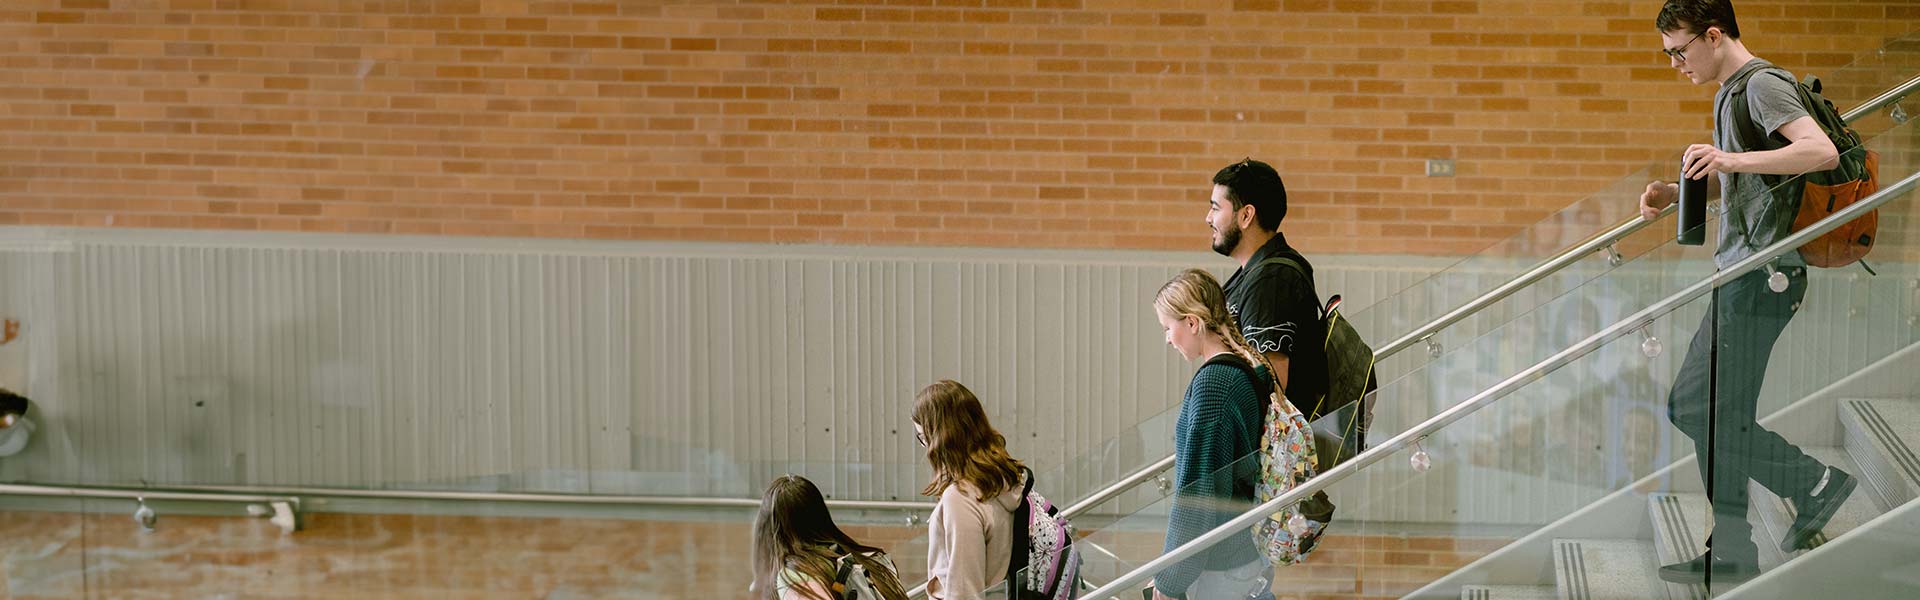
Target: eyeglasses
<point>921,437</point>
<point>1680,54</point>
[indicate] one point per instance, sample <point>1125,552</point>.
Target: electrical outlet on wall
<point>1439,167</point>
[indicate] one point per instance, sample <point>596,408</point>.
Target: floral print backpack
<point>1288,457</point>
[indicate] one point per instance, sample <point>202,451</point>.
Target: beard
<point>1229,239</point>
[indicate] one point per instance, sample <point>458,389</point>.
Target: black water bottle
<point>1693,208</point>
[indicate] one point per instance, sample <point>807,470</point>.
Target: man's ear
<point>1245,216</point>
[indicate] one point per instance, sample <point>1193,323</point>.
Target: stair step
<point>1881,435</point>
<point>1776,514</point>
<point>1606,570</point>
<point>1679,533</point>
<point>1508,592</point>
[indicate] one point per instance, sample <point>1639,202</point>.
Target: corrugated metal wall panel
<point>597,369</point>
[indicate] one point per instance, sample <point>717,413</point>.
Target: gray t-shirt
<point>1755,218</point>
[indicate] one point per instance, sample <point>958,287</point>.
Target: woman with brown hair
<point>798,552</point>
<point>971,534</point>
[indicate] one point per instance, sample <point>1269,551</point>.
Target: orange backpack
<point>1824,192</point>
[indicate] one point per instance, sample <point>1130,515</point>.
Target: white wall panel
<point>217,358</point>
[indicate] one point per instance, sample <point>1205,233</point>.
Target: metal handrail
<point>276,494</point>
<point>1120,486</point>
<point>698,502</point>
<point>1896,94</point>
<point>1504,388</point>
<point>283,510</point>
<point>1573,254</point>
<point>1594,244</point>
<point>76,491</point>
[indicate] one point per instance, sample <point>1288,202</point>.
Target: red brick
<point>613,114</point>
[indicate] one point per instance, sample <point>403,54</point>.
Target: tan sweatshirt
<point>970,543</point>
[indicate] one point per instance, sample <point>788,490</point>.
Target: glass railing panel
<point>1133,449</point>
<point>1489,478</point>
<point>1594,431</point>
<point>1564,226</point>
<point>1553,324</point>
<point>1551,448</point>
<point>1660,268</point>
<point>1111,544</point>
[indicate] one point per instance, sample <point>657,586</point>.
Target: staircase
<point>1878,445</point>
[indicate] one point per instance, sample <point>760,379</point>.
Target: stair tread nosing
<point>1586,569</point>
<point>1679,533</point>
<point>1508,592</point>
<point>1776,514</point>
<point>1881,435</point>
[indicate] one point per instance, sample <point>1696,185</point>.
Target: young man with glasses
<point>1761,134</point>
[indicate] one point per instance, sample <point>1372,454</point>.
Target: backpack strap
<point>1289,262</point>
<point>1744,127</point>
<point>1021,518</point>
<point>1262,386</point>
<point>1755,139</point>
<point>843,570</point>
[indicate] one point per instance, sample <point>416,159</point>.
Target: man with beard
<point>1274,304</point>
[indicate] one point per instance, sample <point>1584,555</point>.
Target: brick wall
<point>103,555</point>
<point>1005,123</point>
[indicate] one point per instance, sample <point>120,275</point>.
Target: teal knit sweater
<point>1219,426</point>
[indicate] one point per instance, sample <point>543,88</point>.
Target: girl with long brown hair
<point>798,550</point>
<point>971,532</point>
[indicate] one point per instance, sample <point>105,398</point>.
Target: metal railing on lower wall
<point>293,495</point>
<point>282,510</point>
<point>1459,411</point>
<point>64,491</point>
<point>673,501</point>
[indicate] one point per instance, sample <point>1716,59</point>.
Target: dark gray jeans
<point>1715,398</point>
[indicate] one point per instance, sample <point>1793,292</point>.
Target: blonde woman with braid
<point>1221,421</point>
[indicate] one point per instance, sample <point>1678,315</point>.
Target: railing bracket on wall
<point>144,515</point>
<point>282,514</point>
